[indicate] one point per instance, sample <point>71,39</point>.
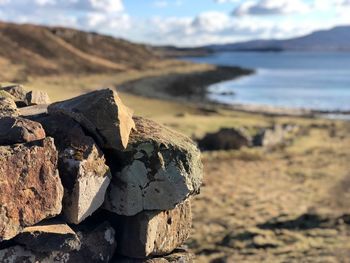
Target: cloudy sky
<point>183,22</point>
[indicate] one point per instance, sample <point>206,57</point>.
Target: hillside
<point>30,50</point>
<point>336,39</point>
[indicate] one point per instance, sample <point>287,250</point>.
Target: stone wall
<point>83,180</point>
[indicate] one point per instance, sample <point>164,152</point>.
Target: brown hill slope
<point>30,50</point>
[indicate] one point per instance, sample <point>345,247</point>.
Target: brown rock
<point>37,97</point>
<point>102,114</point>
<point>49,236</point>
<point>8,107</point>
<point>154,233</point>
<point>97,245</point>
<point>159,169</point>
<point>30,187</point>
<point>81,164</point>
<point>18,130</point>
<point>18,92</point>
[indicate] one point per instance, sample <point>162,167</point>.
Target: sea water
<point>309,80</point>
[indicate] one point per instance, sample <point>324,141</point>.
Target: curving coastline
<point>192,87</point>
<point>189,86</point>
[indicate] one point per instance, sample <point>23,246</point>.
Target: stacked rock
<point>82,180</point>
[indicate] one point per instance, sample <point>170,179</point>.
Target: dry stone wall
<point>84,180</point>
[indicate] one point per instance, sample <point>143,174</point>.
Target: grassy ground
<point>288,204</point>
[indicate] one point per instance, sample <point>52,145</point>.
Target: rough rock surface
<point>178,256</point>
<point>97,245</point>
<point>102,114</point>
<point>34,111</point>
<point>37,97</point>
<point>49,236</point>
<point>19,130</point>
<point>8,107</point>
<point>81,164</point>
<point>18,92</point>
<point>153,233</point>
<point>225,139</point>
<point>30,187</point>
<point>160,168</point>
<point>5,94</point>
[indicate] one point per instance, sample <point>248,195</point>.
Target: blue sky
<point>183,22</point>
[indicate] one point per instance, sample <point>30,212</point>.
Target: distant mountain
<point>30,50</point>
<point>336,39</point>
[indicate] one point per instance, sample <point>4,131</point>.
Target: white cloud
<point>211,21</point>
<point>105,16</point>
<point>226,1</point>
<point>217,27</point>
<point>272,7</point>
<point>103,23</point>
<point>166,3</point>
<point>45,2</point>
<point>161,4</point>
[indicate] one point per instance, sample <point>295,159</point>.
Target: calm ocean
<point>319,81</point>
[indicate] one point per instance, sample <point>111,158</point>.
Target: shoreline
<point>183,87</point>
<point>192,87</point>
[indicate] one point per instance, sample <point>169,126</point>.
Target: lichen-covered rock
<point>159,169</point>
<point>81,164</point>
<point>8,107</point>
<point>30,186</point>
<point>37,97</point>
<point>18,92</point>
<point>48,236</point>
<point>154,233</point>
<point>102,114</point>
<point>19,130</point>
<point>97,246</point>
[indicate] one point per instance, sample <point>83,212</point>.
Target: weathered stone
<point>5,94</point>
<point>102,114</point>
<point>49,236</point>
<point>159,169</point>
<point>18,130</point>
<point>178,256</point>
<point>18,92</point>
<point>37,97</point>
<point>277,135</point>
<point>225,139</point>
<point>97,245</point>
<point>154,233</point>
<point>8,107</point>
<point>33,112</point>
<point>30,187</point>
<point>81,164</point>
